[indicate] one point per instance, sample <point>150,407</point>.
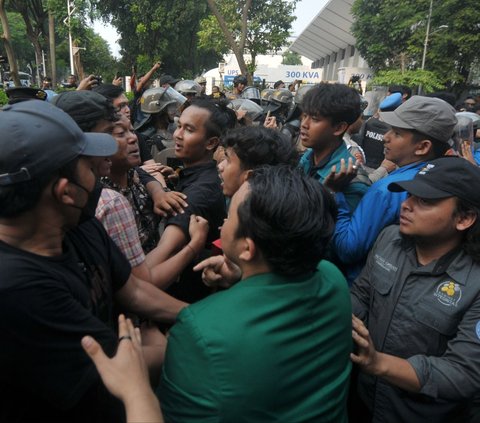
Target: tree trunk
<point>51,38</point>
<point>12,59</point>
<point>237,48</point>
<point>33,34</point>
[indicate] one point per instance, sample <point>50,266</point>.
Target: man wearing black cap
<point>420,130</point>
<point>168,81</point>
<point>59,270</point>
<point>420,299</point>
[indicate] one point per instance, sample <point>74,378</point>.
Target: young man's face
<point>128,154</point>
<point>240,87</point>
<point>317,132</point>
<point>105,164</point>
<point>429,219</point>
<point>72,80</point>
<point>191,136</point>
<point>231,172</point>
<point>230,243</point>
<point>400,147</point>
<point>121,104</point>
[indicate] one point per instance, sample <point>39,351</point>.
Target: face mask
<point>88,210</point>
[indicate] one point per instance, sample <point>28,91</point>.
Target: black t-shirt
<point>202,186</point>
<point>47,304</point>
<point>144,146</point>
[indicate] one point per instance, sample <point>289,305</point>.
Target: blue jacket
<point>355,233</point>
<point>355,190</point>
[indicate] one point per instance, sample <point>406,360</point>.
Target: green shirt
<point>267,349</point>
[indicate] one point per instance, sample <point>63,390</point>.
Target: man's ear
<point>423,148</point>
<point>465,220</point>
<point>212,143</point>
<point>246,174</point>
<point>340,128</point>
<point>249,250</point>
<point>62,191</point>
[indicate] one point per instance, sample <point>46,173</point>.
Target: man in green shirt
<point>276,345</point>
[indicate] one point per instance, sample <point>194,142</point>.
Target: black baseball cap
<point>448,176</point>
<point>37,138</point>
<point>168,79</point>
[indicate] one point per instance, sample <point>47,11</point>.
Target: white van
<point>25,79</point>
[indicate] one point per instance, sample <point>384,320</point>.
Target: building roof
<point>328,32</point>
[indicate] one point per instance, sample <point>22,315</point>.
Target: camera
<point>97,80</point>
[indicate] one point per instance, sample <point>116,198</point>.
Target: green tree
<point>36,25</point>
<point>254,26</point>
<point>291,58</point>
<point>391,34</point>
<point>24,52</point>
<point>162,30</point>
<point>428,80</point>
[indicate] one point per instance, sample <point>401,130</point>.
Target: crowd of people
<point>260,256</point>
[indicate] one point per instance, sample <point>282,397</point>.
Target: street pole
<point>70,9</point>
<point>427,34</point>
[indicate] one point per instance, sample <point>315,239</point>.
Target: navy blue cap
<point>445,177</point>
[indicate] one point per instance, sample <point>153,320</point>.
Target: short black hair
<point>222,118</point>
<point>403,89</point>
<point>109,91</point>
<point>445,96</point>
<point>289,216</point>
<point>471,240</point>
<point>337,102</point>
<point>439,148</point>
<point>256,146</point>
<point>240,79</point>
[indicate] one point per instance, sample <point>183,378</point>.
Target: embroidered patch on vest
<point>448,293</point>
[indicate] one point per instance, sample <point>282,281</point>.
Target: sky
<point>306,11</point>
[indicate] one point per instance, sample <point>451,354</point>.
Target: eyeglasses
<point>121,106</point>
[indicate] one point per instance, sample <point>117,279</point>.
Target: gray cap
<point>37,138</point>
<point>430,116</point>
<point>84,106</point>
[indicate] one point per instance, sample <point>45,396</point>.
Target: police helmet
<point>253,110</point>
<point>282,96</point>
<point>200,80</point>
<point>266,95</point>
<point>301,93</point>
<point>187,86</point>
<point>154,100</point>
<point>251,93</point>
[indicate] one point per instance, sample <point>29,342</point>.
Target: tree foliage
<point>428,80</point>
<point>391,35</point>
<point>291,58</point>
<point>23,48</point>
<point>164,30</point>
<point>253,26</point>
<point>28,22</point>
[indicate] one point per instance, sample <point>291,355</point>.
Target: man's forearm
<point>146,300</point>
<point>397,371</point>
